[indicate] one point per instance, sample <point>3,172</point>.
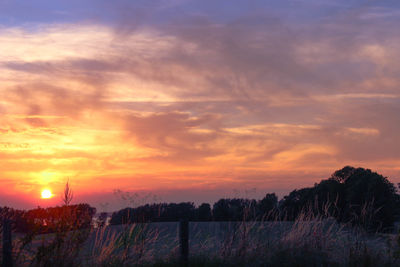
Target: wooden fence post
<point>7,244</point>
<point>184,241</point>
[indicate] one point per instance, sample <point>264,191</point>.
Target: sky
<point>181,100</point>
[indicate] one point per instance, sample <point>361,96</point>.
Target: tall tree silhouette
<point>68,194</point>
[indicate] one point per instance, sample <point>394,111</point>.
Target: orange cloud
<point>205,106</point>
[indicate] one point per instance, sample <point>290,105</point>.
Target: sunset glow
<point>207,103</point>
<point>46,194</point>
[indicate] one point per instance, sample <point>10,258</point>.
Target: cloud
<point>199,99</point>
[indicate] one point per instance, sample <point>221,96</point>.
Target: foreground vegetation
<point>346,220</point>
<point>308,241</point>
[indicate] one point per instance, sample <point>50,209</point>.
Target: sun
<point>46,194</point>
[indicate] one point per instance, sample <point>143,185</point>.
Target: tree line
<point>351,195</point>
<point>49,220</point>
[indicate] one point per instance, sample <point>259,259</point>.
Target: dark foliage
<point>235,209</point>
<point>351,195</point>
<point>268,204</point>
<point>224,210</point>
<point>51,219</point>
<point>162,212</point>
<point>204,212</point>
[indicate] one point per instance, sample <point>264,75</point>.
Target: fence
<point>7,243</point>
<point>225,238</point>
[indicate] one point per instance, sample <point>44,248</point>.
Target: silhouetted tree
<point>16,216</point>
<point>352,195</point>
<point>267,206</point>
<point>51,219</point>
<point>294,203</point>
<point>161,212</point>
<point>121,217</point>
<point>222,210</point>
<point>68,195</point>
<point>369,198</point>
<point>204,212</point>
<point>328,199</point>
<point>235,209</point>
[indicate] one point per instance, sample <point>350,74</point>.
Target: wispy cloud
<point>198,101</point>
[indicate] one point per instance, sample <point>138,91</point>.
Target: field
<point>314,242</point>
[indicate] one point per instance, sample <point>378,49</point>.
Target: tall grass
<point>60,247</point>
<point>310,240</point>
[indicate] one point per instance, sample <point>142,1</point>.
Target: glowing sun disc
<point>46,193</point>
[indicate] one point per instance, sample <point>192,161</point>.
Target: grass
<point>308,241</point>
